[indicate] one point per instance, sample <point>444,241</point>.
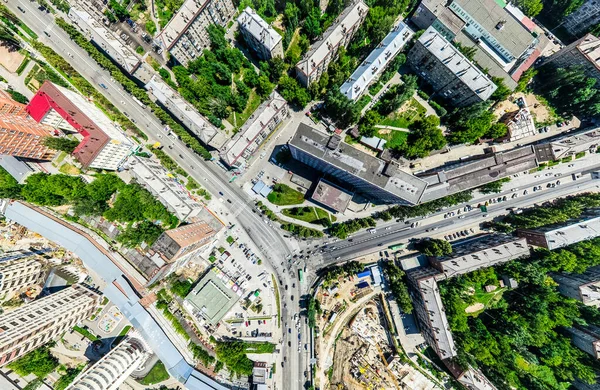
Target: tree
<point>181,287</point>
<point>312,24</point>
<point>497,130</point>
<point>502,92</point>
<point>39,362</point>
<point>530,8</point>
<point>342,109</point>
<point>434,247</point>
<point>470,123</point>
<point>61,143</point>
<point>9,187</point>
<point>291,16</point>
<point>293,92</point>
<point>144,231</point>
<point>120,12</point>
<point>397,95</point>
<point>216,34</point>
<point>395,276</point>
<point>424,137</point>
<point>493,187</point>
<point>366,125</point>
<point>264,87</point>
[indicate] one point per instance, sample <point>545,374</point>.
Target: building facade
<point>104,145</point>
<point>450,73</point>
<point>20,269</point>
<point>9,106</point>
<point>110,372</point>
<point>183,241</point>
<point>583,287</point>
<point>339,34</point>
<point>186,35</point>
<point>21,136</point>
<point>36,323</point>
<point>238,151</point>
<point>584,52</point>
<point>586,338</point>
<point>262,38</point>
<point>582,19</point>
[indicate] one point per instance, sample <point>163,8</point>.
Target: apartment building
<point>11,107</point>
<point>20,269</point>
<point>238,151</point>
<point>186,35</point>
<point>164,186</point>
<point>21,136</point>
<point>586,141</point>
<point>452,76</point>
<point>376,62</point>
<point>104,145</point>
<point>38,322</point>
<point>584,52</point>
<point>583,19</point>
<point>262,38</point>
<point>382,181</point>
<point>183,240</point>
<point>586,338</point>
<point>564,234</point>
<point>339,34</point>
<point>110,372</point>
<point>583,287</point>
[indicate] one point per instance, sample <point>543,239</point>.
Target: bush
<point>39,362</point>
<point>441,111</point>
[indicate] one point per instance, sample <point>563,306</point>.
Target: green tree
<point>61,143</point>
<point>497,130</point>
<point>342,109</point>
<point>502,92</point>
<point>493,187</point>
<point>530,8</point>
<point>39,362</point>
<point>397,95</point>
<point>9,187</point>
<point>144,231</point>
<point>396,279</point>
<point>120,12</point>
<point>312,24</point>
<point>366,125</point>
<point>434,247</point>
<point>424,137</point>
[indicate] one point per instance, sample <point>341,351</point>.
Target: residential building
<point>564,234</point>
<point>583,18</point>
<point>480,252</point>
<point>569,145</point>
<point>15,167</point>
<point>470,378</point>
<point>339,34</point>
<point>584,287</point>
<point>183,240</point>
<point>186,35</point>
<point>380,180</point>
<point>36,323</point>
<point>259,36</point>
<point>520,124</point>
<point>11,107</point>
<point>584,52</point>
<point>452,76</point>
<point>20,136</point>
<point>20,269</point>
<point>167,189</point>
<point>93,29</point>
<point>186,113</point>
<point>586,338</point>
<point>331,196</point>
<point>373,66</point>
<point>104,145</point>
<point>503,37</point>
<point>238,151</point>
<point>110,372</point>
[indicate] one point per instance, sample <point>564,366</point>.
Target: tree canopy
<point>434,247</point>
<point>61,143</point>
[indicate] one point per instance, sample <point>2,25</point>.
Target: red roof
<point>50,97</point>
<point>526,65</point>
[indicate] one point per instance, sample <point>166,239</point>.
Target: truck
<point>300,275</point>
<point>138,102</point>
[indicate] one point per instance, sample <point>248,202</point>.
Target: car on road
<point>220,193</point>
<point>20,9</point>
<point>46,33</point>
<point>101,84</point>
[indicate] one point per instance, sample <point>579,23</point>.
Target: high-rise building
<point>184,240</point>
<point>584,52</point>
<point>21,136</point>
<point>582,19</point>
<point>20,269</point>
<point>9,106</point>
<point>186,35</point>
<point>262,38</point>
<point>315,61</point>
<point>104,145</point>
<point>110,372</point>
<point>42,320</point>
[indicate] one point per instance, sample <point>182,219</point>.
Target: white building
<point>262,38</point>
<point>186,113</point>
<point>374,65</point>
<point>267,117</point>
<point>172,194</point>
<point>20,269</point>
<point>185,36</point>
<point>564,234</point>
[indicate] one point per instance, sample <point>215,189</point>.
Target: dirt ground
<point>537,109</point>
<point>474,308</point>
<point>346,346</point>
<point>10,60</point>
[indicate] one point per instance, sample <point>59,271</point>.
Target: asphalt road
<point>267,239</point>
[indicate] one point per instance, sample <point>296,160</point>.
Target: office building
<point>502,36</point>
<point>104,145</point>
<point>452,76</point>
<point>164,186</point>
<point>20,269</point>
<point>559,235</point>
<point>339,34</point>
<point>586,338</point>
<point>238,151</point>
<point>186,35</point>
<point>21,136</point>
<point>583,18</point>
<point>183,240</point>
<point>9,106</point>
<point>376,62</point>
<point>93,29</point>
<point>379,180</point>
<point>186,113</point>
<point>480,252</point>
<point>331,196</point>
<point>110,372</point>
<point>583,287</point>
<point>584,52</point>
<point>259,36</point>
<point>38,322</point>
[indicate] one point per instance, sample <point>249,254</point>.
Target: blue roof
<point>266,191</point>
<point>363,284</point>
<point>365,274</point>
<point>257,188</point>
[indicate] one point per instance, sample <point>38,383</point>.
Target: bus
<point>300,275</point>
<point>396,247</point>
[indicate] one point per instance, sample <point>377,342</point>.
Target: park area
<point>157,374</point>
<point>309,214</point>
<point>410,112</point>
<point>283,195</point>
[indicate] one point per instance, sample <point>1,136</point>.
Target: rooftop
<point>376,62</point>
<point>457,63</point>
<point>331,38</point>
<point>520,124</point>
<point>189,234</point>
<point>16,168</point>
<point>186,113</point>
<point>258,28</point>
<point>575,230</point>
<point>179,24</point>
<point>332,196</point>
<point>360,164</point>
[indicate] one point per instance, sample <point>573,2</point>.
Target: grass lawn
<point>69,169</point>
<point>124,330</point>
<point>61,157</point>
<point>240,119</point>
<point>394,138</point>
<point>85,333</point>
<point>410,114</point>
<point>277,301</point>
<point>157,374</point>
<point>284,195</point>
<point>294,47</point>
<point>308,214</point>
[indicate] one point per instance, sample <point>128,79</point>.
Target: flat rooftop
<point>212,298</point>
<point>570,232</point>
<point>179,24</point>
<point>360,164</point>
<point>332,196</point>
<point>250,21</point>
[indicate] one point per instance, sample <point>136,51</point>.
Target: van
<point>372,230</point>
